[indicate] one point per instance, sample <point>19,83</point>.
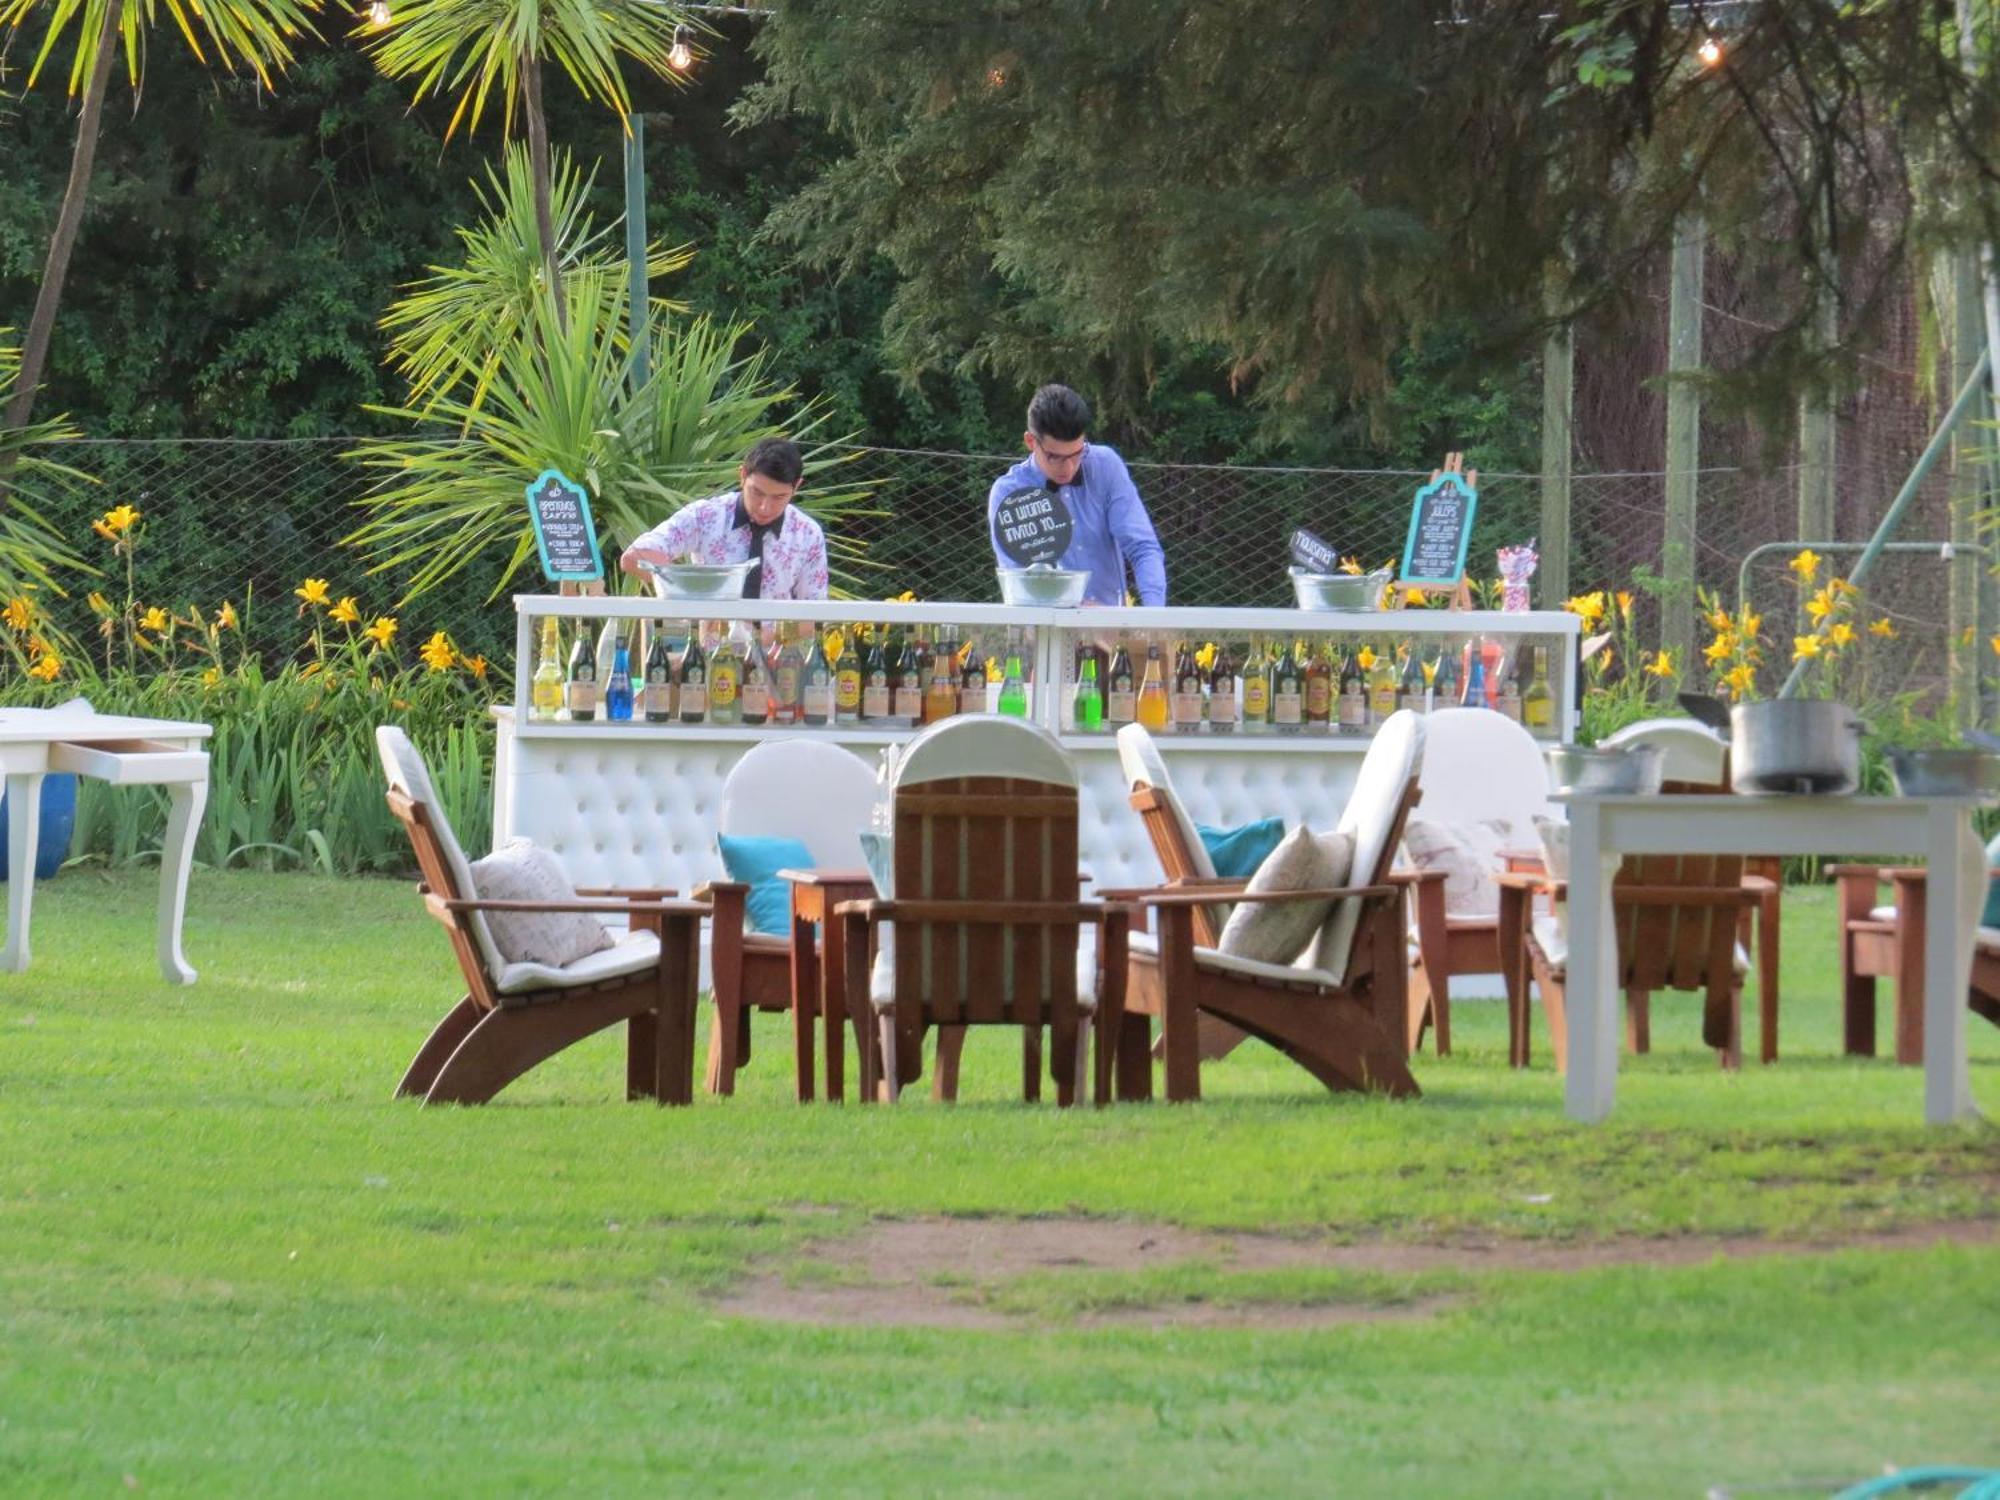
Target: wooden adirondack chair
<point>514,1016</point>
<point>986,924</point>
<point>822,796</point>
<point>1887,942</point>
<point>1343,1023</point>
<point>1676,918</point>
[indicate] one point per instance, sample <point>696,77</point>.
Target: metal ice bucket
<point>1808,745</point>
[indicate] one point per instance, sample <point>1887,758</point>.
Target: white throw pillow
<point>1276,932</point>
<point>1469,855</point>
<point>1555,859</point>
<point>523,872</point>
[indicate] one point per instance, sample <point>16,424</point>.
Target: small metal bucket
<point>1810,745</point>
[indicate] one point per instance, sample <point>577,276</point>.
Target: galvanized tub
<point>1631,770</point>
<point>1339,592</point>
<point>1042,586</point>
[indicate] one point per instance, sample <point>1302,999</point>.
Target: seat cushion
<point>882,977</point>
<point>632,953</point>
<point>520,871</point>
<point>1214,961</point>
<point>1468,854</point>
<point>1236,853</point>
<point>755,859</point>
<point>1276,932</point>
<point>1553,939</point>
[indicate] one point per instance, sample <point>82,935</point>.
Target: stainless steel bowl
<point>1633,770</point>
<point>1943,773</point>
<point>1042,586</point>
<point>1339,592</point>
<point>700,580</point>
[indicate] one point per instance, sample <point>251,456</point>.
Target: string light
<point>680,57</point>
<point>378,13</point>
<point>1710,52</point>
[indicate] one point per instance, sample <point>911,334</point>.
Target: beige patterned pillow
<point>1276,932</point>
<point>1469,855</point>
<point>522,872</point>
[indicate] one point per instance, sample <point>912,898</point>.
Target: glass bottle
<point>1319,690</point>
<point>607,647</point>
<point>1187,692</point>
<point>725,683</point>
<point>546,697</point>
<point>1091,651</point>
<point>1288,700</point>
<point>618,686</point>
<point>1382,687</point>
<point>1538,704</point>
<point>815,684</point>
<point>1256,690</point>
<point>1352,709</point>
<point>941,682</point>
<point>1444,687</point>
<point>1121,702</point>
<point>972,683</point>
<point>1014,687</point>
<point>1222,693</point>
<point>1410,687</point>
<point>580,692</point>
<point>756,677</point>
<point>1474,695</point>
<point>693,707</point>
<point>787,677</point>
<point>874,682</point>
<point>1089,702</point>
<point>847,682</point>
<point>906,684</point>
<point>656,696</point>
<point>1507,692</point>
<point>1152,707</point>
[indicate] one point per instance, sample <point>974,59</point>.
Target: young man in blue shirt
<point>1112,530</point>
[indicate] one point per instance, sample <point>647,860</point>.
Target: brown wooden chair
<point>1676,919</point>
<point>1341,1019</point>
<point>821,795</point>
<point>514,1016</point>
<point>985,923</point>
<point>1887,942</point>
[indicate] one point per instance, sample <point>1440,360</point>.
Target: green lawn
<point>229,1264</point>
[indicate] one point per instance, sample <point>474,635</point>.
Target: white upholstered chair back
<point>1395,755</point>
<point>1140,759</point>
<point>403,765</point>
<point>1480,766</point>
<point>819,794</point>
<point>985,745</point>
<point>1689,751</point>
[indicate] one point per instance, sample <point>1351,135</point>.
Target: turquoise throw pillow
<point>1237,852</point>
<point>755,861</point>
<point>1990,917</point>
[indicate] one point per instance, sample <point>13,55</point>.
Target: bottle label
<point>875,697</point>
<point>1319,697</point>
<point>694,699</point>
<point>909,702</point>
<point>722,688</point>
<point>847,688</point>
<point>972,698</point>
<point>1286,708</point>
<point>1122,705</point>
<point>818,703</point>
<point>1256,698</point>
<point>1353,710</point>
<point>1538,713</point>
<point>1187,705</point>
<point>1383,702</point>
<point>756,700</point>
<point>582,698</point>
<point>659,698</point>
<point>1509,705</point>
<point>1222,704</point>
<point>1414,702</point>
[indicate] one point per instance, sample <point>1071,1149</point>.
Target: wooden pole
<point>1552,586</point>
<point>1683,438</point>
<point>1963,644</point>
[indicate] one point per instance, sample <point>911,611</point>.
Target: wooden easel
<point>1461,592</point>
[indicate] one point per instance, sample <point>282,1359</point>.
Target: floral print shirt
<point>706,531</point>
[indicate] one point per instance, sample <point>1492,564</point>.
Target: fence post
<point>1965,650</point>
<point>1683,438</point>
<point>1558,405</point>
<point>1818,437</point>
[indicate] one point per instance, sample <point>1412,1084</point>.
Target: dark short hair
<point>1058,412</point>
<point>776,458</point>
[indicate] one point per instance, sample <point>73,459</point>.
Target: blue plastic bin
<point>58,823</point>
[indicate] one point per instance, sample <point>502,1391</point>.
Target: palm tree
<point>472,47</point>
<point>255,34</point>
<point>32,551</point>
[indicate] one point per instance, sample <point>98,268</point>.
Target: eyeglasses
<point>1074,457</point>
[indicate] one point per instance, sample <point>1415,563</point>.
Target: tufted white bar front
<point>636,803</point>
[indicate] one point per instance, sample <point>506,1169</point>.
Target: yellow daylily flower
<point>346,611</point>
<point>1842,633</point>
<point>1365,659</point>
<point>437,652</point>
<point>1413,598</point>
<point>1819,606</point>
<point>19,613</point>
<point>211,677</point>
<point>155,620</point>
<point>1805,646</point>
<point>1752,624</point>
<point>1884,627</point>
<point>835,644</point>
<point>1720,621</point>
<point>225,617</point>
<point>47,667</point>
<point>1740,678</point>
<point>1840,586</point>
<point>120,518</point>
<point>1624,598</point>
<point>1430,671</point>
<point>382,631</point>
<point>476,665</point>
<point>1721,648</point>
<point>1350,565</point>
<point>104,531</point>
<point>313,591</point>
<point>99,605</point>
<point>1806,565</point>
<point>1662,665</point>
<point>1205,657</point>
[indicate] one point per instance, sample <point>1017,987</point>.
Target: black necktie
<point>760,532</point>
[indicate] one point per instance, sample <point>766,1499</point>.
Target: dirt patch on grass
<point>937,1272</point>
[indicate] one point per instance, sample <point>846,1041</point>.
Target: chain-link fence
<point>247,521</point>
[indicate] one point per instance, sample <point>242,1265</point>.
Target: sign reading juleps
<point>1033,525</point>
<point>1440,527</point>
<point>565,535</point>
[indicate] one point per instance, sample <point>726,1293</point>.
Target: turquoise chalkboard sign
<point>1440,528</point>
<point>565,535</point>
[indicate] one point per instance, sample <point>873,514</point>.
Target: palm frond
<point>258,35</point>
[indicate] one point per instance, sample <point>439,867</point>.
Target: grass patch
<point>233,1265</point>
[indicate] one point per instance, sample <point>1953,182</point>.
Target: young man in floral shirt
<point>755,520</point>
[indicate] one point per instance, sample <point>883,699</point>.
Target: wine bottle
<point>1256,690</point>
<point>1320,690</point>
<point>546,699</point>
<point>972,683</point>
<point>1410,689</point>
<point>1187,692</point>
<point>816,685</point>
<point>941,682</point>
<point>847,682</point>
<point>787,677</point>
<point>657,695</point>
<point>725,683</point>
<point>756,677</point>
<point>1382,688</point>
<point>906,685</point>
<point>874,682</point>
<point>1538,704</point>
<point>1222,716</point>
<point>1352,709</point>
<point>1121,702</point>
<point>618,686</point>
<point>693,707</point>
<point>580,692</point>
<point>1288,704</point>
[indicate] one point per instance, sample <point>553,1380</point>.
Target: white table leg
<point>176,858</point>
<point>1592,992</point>
<point>1956,893</point>
<point>24,837</point>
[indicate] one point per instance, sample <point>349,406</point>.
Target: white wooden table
<point>123,752</point>
<point>1603,830</point>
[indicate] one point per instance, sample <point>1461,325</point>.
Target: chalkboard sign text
<point>1440,527</point>
<point>565,535</point>
<point>1033,525</point>
<point>1311,554</point>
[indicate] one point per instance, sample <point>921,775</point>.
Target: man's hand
<point>633,559</point>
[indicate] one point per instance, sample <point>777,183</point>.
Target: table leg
<point>1957,890</point>
<point>807,979</point>
<point>833,1006</point>
<point>1592,1001</point>
<point>24,834</point>
<point>1513,924</point>
<point>188,798</point>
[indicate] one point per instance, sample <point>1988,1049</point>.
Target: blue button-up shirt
<point>1112,532</point>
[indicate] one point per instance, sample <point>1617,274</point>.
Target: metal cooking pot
<point>1795,745</point>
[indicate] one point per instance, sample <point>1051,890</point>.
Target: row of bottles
<point>1292,688</point>
<point>735,679</point>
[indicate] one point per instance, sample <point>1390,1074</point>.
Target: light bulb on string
<point>1710,52</point>
<point>680,56</point>
<point>378,13</point>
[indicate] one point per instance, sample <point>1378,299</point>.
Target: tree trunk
<point>538,164</point>
<point>42,323</point>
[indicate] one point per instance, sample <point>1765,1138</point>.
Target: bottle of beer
<point>1089,703</point>
<point>1382,688</point>
<point>787,677</point>
<point>1091,651</point>
<point>580,692</point>
<point>906,684</point>
<point>1014,687</point>
<point>756,676</point>
<point>693,706</point>
<point>1187,692</point>
<point>941,682</point>
<point>874,682</point>
<point>1538,704</point>
<point>1288,701</point>
<point>972,683</point>
<point>1410,689</point>
<point>1319,690</point>
<point>1221,705</point>
<point>618,687</point>
<point>546,700</point>
<point>847,681</point>
<point>1256,690</point>
<point>1475,677</point>
<point>725,683</point>
<point>1121,702</point>
<point>1352,709</point>
<point>1444,687</point>
<point>1152,706</point>
<point>816,684</point>
<point>1507,692</point>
